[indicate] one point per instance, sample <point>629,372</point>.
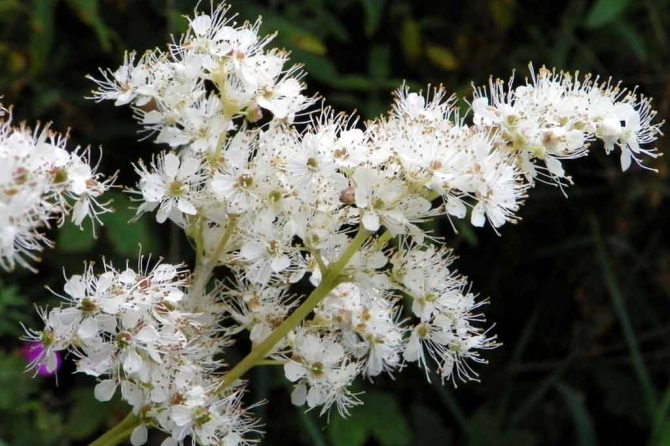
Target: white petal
<point>299,395</point>
<point>293,371</point>
<point>133,362</point>
<point>189,166</point>
<point>412,349</point>
<point>280,263</point>
<point>626,159</point>
<point>51,362</point>
<point>147,334</point>
<point>181,415</point>
<point>554,166</point>
<point>104,390</point>
<point>186,207</point>
<point>315,397</point>
<point>169,441</point>
<point>201,24</point>
<point>456,207</point>
<point>164,211</point>
<point>139,435</point>
<point>88,328</point>
<point>477,217</point>
<point>171,165</point>
<point>370,221</point>
<point>163,272</point>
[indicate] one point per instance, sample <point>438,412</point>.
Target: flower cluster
<point>137,331</point>
<point>324,204</point>
<point>555,115</point>
<point>216,78</point>
<point>41,181</point>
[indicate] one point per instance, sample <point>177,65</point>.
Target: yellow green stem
<point>118,433</point>
<point>330,280</point>
<point>269,362</point>
<point>205,264</point>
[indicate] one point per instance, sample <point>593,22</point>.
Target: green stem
<point>120,437</point>
<point>619,304</point>
<point>330,280</point>
<point>270,362</point>
<point>319,261</point>
<point>205,264</point>
<point>382,240</point>
<point>118,433</point>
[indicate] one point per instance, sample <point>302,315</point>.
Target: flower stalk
<point>118,433</point>
<point>330,280</point>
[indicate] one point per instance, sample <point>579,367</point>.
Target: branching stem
<point>331,279</point>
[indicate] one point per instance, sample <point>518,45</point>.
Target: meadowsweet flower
<point>170,186</point>
<point>322,371</point>
<point>553,116</point>
<point>41,182</point>
<point>287,207</point>
<point>134,330</point>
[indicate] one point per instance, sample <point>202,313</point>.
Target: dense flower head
<point>41,181</point>
<point>555,115</point>
<point>326,204</point>
<point>138,331</point>
<point>216,78</point>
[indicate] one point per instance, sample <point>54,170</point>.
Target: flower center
<point>245,181</point>
<point>176,189</point>
<point>312,164</point>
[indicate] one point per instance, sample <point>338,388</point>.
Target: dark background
<point>579,289</point>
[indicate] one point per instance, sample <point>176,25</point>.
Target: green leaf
<point>8,7</point>
<point>410,40</point>
<point>294,36</point>
<point>633,39</point>
<point>604,12</point>
<point>319,68</point>
<point>661,428</point>
<point>308,43</point>
<point>429,427</point>
<point>586,435</point>
<point>16,384</point>
<point>87,11</point>
<point>442,57</point>
<point>502,13</point>
<point>485,430</point>
<point>386,421</point>
<point>610,278</point>
<point>13,309</point>
<point>466,231</point>
<point>125,237</point>
<point>177,22</point>
<point>72,239</point>
<point>379,417</point>
<point>379,62</point>
<point>374,9</point>
<point>347,432</point>
<point>311,430</point>
<point>41,38</point>
<point>86,415</point>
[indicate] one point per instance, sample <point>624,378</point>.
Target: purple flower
<point>33,353</point>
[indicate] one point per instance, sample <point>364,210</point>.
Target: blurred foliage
<point>579,291</point>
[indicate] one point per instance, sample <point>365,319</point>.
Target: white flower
<point>267,249</point>
<point>323,372</point>
<point>237,183</point>
<point>170,186</point>
<point>41,182</point>
<point>385,201</point>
